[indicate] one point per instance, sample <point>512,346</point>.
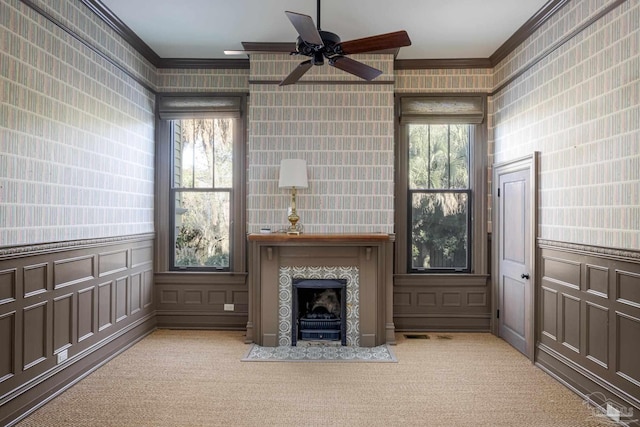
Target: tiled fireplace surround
<point>364,260</point>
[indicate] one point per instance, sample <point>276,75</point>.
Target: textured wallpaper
<point>580,107</point>
<point>198,80</point>
<point>444,81</point>
<point>76,134</point>
<point>343,131</point>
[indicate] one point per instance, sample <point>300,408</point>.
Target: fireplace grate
<point>319,324</point>
<point>320,329</point>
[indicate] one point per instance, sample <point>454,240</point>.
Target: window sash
<point>468,234</point>
<point>174,214</point>
<point>175,222</point>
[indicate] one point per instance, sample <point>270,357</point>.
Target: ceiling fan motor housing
<point>328,50</point>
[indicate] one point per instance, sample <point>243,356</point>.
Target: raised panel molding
<point>147,288</point>
<point>106,306</point>
<point>549,316</point>
<point>62,322</point>
<point>451,299</point>
<point>240,297</point>
<point>112,262</point>
<point>169,296</point>
<point>597,324</point>
<point>7,350</point>
<point>628,341</point>
<point>34,335</point>
<point>141,255</point>
<point>598,319</point>
<point>476,299</point>
<point>8,284</point>
<point>216,297</point>
<point>628,288</point>
<point>192,297</point>
<point>427,299</point>
<point>57,317</point>
<point>86,312</point>
<point>561,271</point>
<point>443,302</point>
<point>136,293</point>
<point>597,280</point>
<point>570,322</point>
<point>73,270</point>
<point>122,298</point>
<point>35,279</point>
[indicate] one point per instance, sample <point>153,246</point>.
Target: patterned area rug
<point>380,353</point>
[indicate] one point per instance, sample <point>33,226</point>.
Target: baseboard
<point>185,320</point>
<point>586,384</point>
<point>48,386</point>
<point>443,322</point>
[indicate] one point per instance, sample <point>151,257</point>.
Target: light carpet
<point>196,378</point>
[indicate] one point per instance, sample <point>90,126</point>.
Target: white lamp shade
<point>293,173</point>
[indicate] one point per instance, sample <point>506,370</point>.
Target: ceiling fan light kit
<point>319,45</point>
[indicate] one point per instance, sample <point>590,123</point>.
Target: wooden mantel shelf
<point>321,238</point>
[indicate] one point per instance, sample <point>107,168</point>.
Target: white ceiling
<point>439,29</point>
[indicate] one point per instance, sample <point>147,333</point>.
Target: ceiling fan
<point>319,45</point>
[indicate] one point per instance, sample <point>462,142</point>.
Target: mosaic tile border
<point>380,353</point>
<point>285,279</point>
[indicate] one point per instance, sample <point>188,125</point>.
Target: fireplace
<point>363,262</point>
<point>319,311</point>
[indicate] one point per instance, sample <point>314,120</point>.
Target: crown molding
<point>542,16</point>
<point>425,64</point>
<point>104,13</point>
<point>528,28</point>
<point>201,63</point>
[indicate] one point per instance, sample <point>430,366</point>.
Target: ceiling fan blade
<point>298,72</point>
<point>305,27</point>
<point>373,43</point>
<point>354,67</point>
<point>263,47</point>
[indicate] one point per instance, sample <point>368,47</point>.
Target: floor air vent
<point>416,336</point>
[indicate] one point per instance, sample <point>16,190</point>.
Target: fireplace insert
<point>319,310</point>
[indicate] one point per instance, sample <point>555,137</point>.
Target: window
<point>439,203</point>
<point>202,186</point>
<point>439,196</point>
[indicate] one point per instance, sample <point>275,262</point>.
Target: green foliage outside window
<point>202,186</point>
<point>439,196</point>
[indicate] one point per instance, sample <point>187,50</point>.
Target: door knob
<point>525,276</point>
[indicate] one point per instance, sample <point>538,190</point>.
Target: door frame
<point>532,163</point>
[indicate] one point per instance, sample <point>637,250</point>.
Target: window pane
<point>203,150</point>
<point>439,232</point>
<point>202,229</point>
<point>439,156</point>
<point>223,153</point>
<point>459,156</point>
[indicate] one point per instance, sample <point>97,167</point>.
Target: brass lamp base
<point>293,216</point>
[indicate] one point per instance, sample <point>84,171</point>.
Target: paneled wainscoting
<point>201,300</point>
<point>442,302</point>
<point>589,320</point>
<point>65,308</point>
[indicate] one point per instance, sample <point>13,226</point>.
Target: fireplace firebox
<point>319,310</point>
